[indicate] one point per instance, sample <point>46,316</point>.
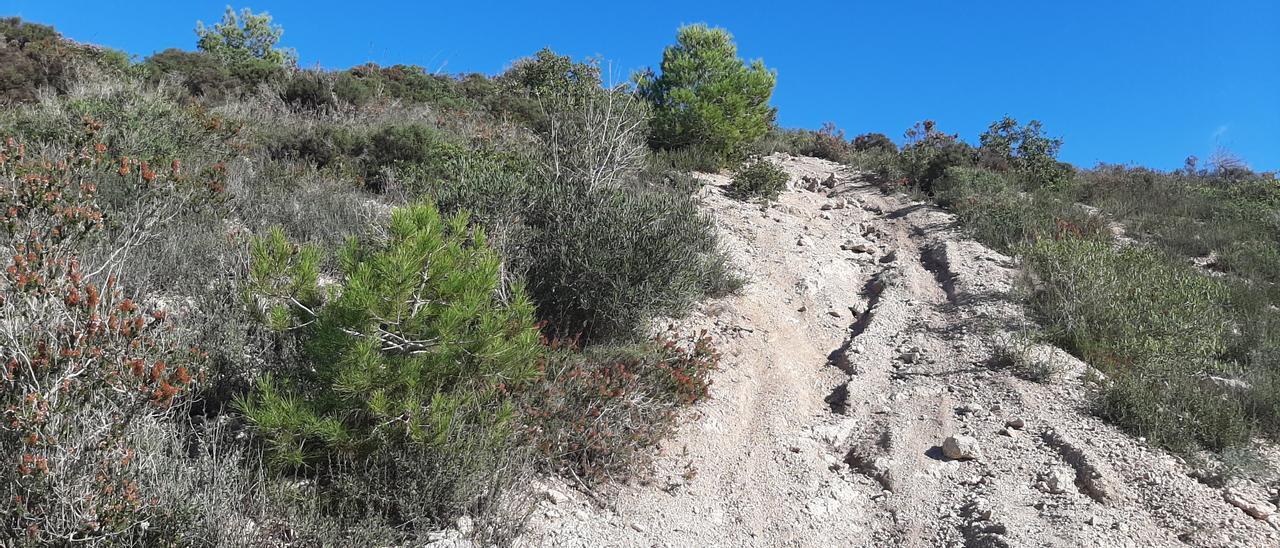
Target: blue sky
<point>1141,82</point>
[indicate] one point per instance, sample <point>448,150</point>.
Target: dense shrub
<point>998,212</point>
<point>928,153</point>
<point>1152,325</point>
<point>410,83</point>
<point>1006,145</point>
<point>211,77</point>
<point>605,262</point>
<point>705,95</point>
<point>547,73</point>
<point>868,142</point>
<point>599,412</point>
<point>35,57</point>
<point>758,179</point>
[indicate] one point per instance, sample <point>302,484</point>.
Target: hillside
<point>246,303</point>
<point>871,332</point>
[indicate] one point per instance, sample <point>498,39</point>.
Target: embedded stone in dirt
<point>1257,509</point>
<point>1016,423</point>
<point>960,448</point>
<point>1057,480</point>
<point>856,247</point>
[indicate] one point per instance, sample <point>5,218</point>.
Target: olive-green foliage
<point>874,141</point>
<point>35,57</point>
<point>607,261</point>
<point>411,83</point>
<point>209,76</point>
<point>135,122</point>
<point>245,36</point>
<point>548,73</point>
<point>928,152</point>
<point>1025,150</point>
<point>423,341</point>
<point>705,95</point>
<point>1003,214</point>
<point>758,179</point>
<point>599,262</point>
<point>1151,325</point>
<point>1170,309</point>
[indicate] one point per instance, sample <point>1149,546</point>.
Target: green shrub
<point>605,262</point>
<point>705,95</point>
<point>600,263</point>
<point>208,76</point>
<point>758,179</point>
<point>993,208</point>
<point>600,412</point>
<point>547,73</point>
<point>1153,326</point>
<point>1006,145</point>
<point>412,374</point>
<point>317,90</point>
<point>928,153</point>
<point>411,83</point>
<point>874,142</point>
<point>35,57</point>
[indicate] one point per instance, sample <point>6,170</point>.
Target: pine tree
<point>706,96</point>
<point>422,339</point>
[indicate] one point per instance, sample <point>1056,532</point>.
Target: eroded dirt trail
<point>865,339</point>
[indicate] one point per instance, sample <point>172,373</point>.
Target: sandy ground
<point>863,340</point>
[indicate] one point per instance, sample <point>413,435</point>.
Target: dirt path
<point>863,341</point>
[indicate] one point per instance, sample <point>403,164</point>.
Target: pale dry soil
<point>845,370</point>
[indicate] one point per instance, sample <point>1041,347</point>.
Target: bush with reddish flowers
<point>601,411</point>
<point>86,369</point>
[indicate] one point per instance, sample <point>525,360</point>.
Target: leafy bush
<point>928,153</point>
<point>1006,145</point>
<point>758,179</point>
<point>410,83</point>
<point>210,77</point>
<point>243,37</point>
<point>605,262</point>
<point>868,142</point>
<point>705,95</point>
<point>35,57</point>
<point>548,73</point>
<point>1000,214</point>
<point>599,413</point>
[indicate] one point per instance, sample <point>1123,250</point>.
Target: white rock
<point>1258,509</point>
<point>960,448</point>
<point>1057,480</point>
<point>556,497</point>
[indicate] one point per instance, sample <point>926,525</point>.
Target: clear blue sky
<point>1143,82</point>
